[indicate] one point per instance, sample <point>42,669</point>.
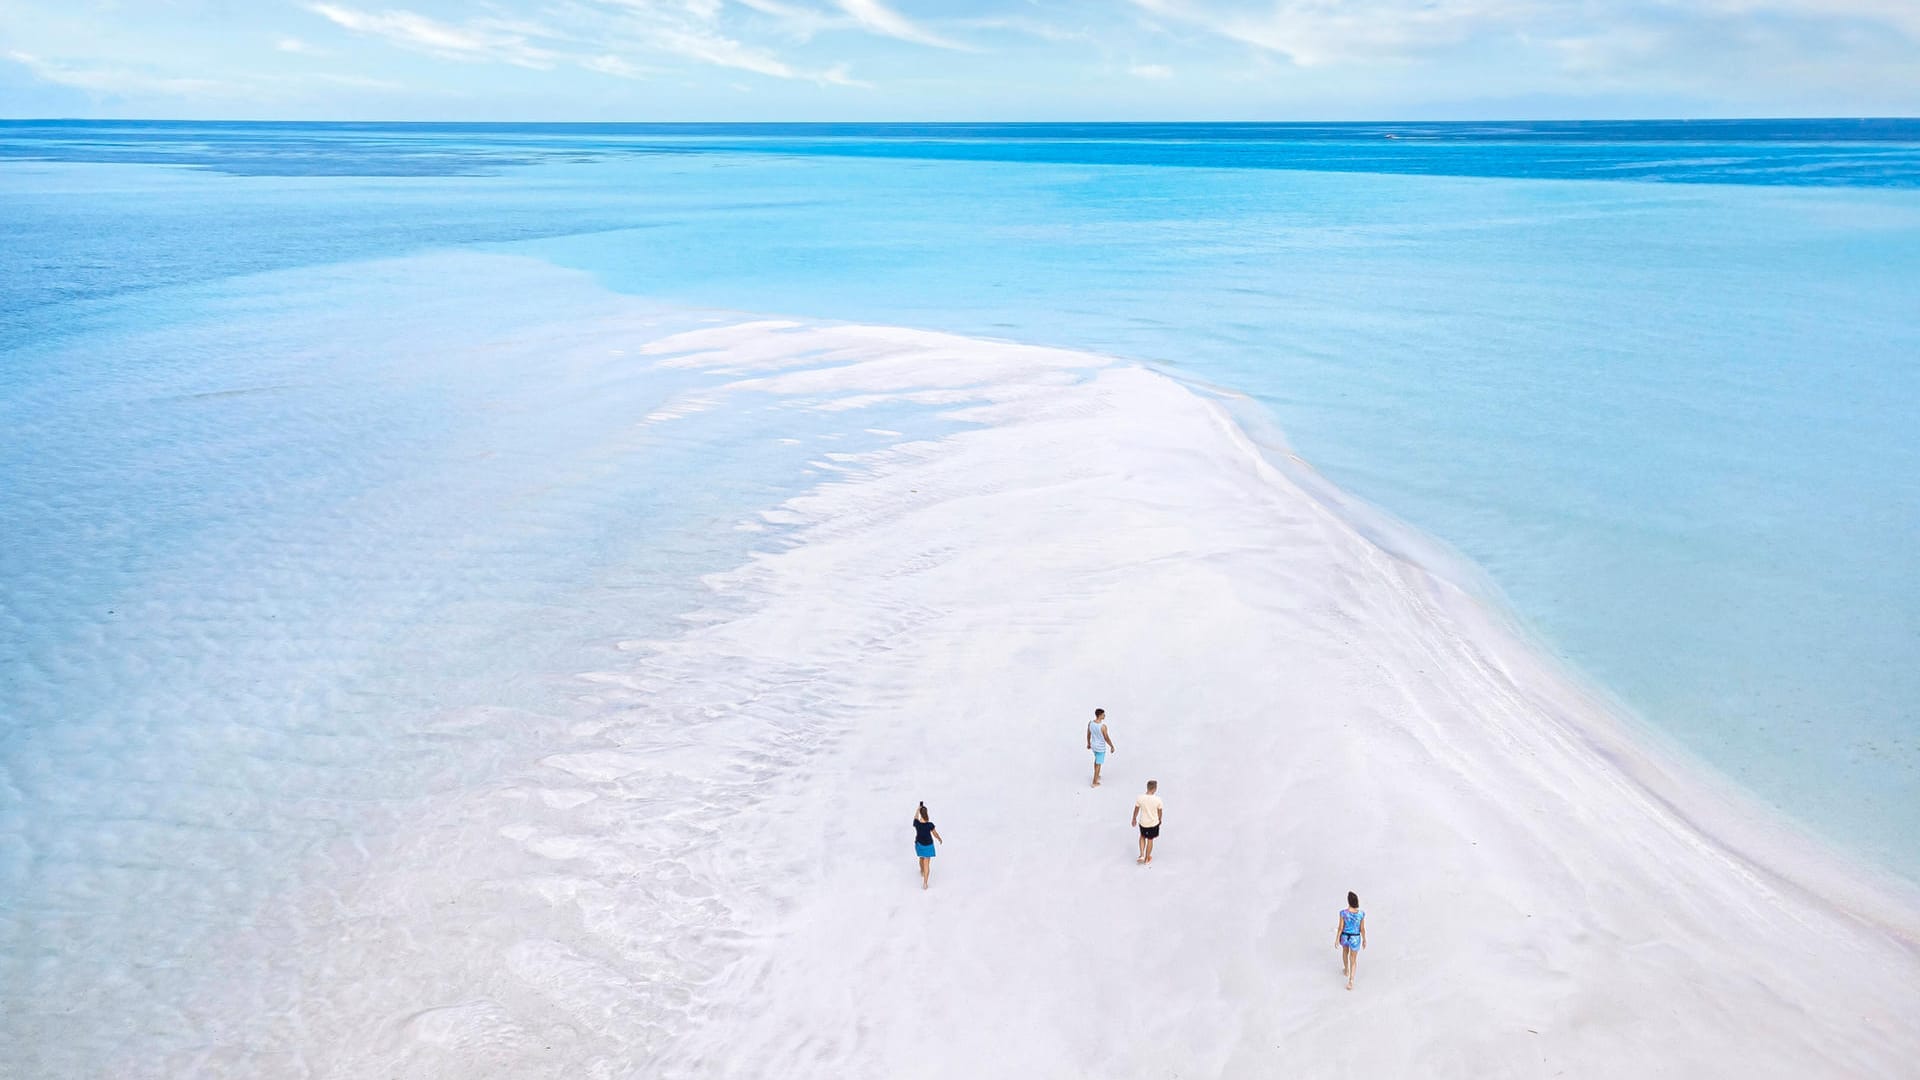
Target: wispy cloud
<point>609,64</point>
<point>692,30</point>
<point>839,75</point>
<point>1712,51</point>
<point>119,80</point>
<point>1045,31</point>
<point>877,17</point>
<point>718,49</point>
<point>1312,33</point>
<point>1900,16</point>
<point>803,22</point>
<point>1252,57</point>
<point>474,41</point>
<point>795,21</point>
<point>780,10</point>
<point>356,82</point>
<point>125,82</point>
<point>600,36</point>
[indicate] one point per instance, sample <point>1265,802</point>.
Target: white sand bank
<point>714,877</point>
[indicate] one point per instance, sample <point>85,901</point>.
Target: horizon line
<point>1827,118</point>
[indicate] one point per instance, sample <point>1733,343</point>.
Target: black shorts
<point>1149,832</point>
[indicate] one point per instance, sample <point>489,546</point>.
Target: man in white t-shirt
<point>1147,811</point>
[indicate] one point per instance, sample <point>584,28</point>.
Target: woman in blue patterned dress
<point>1349,932</point>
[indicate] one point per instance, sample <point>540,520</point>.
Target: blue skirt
<point>925,851</point>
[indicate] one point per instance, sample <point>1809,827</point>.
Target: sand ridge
<point>708,873</point>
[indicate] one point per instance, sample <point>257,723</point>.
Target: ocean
<point>323,477</point>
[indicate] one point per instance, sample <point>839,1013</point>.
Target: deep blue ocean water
<point>1657,380</point>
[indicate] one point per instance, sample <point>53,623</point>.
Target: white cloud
<point>295,45</point>
<point>883,20</point>
<point>1150,71</point>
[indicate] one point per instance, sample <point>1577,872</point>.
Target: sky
<point>1010,60</point>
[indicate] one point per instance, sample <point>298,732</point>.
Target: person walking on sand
<point>1100,741</point>
<point>1147,812</point>
<point>1350,933</point>
<point>924,837</point>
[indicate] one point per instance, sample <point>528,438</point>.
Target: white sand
<point>713,875</point>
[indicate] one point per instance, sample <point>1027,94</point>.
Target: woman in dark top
<point>924,837</point>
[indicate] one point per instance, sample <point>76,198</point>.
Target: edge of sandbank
<point>1767,841</point>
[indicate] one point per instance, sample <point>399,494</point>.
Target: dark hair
<point>1152,784</point>
<point>1353,899</point>
<point>1099,712</point>
<point>922,815</point>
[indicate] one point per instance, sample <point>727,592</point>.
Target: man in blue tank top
<point>1100,741</point>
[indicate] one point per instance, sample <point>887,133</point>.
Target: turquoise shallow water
<point>1657,381</point>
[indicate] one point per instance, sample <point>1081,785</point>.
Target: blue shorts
<point>1099,757</point>
<point>925,851</point>
<point>1350,941</point>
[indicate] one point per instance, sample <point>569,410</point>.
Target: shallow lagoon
<point>1670,421</point>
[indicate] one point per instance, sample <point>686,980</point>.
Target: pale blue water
<point>1658,381</point>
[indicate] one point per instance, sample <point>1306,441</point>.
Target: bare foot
<point>1349,984</point>
<point>1141,859</point>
